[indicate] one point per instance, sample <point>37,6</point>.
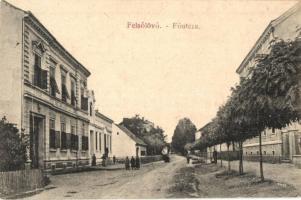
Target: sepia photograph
<point>141,99</point>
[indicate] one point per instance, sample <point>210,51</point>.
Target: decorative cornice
<point>37,99</point>
<point>261,40</point>
<point>38,26</point>
<point>98,114</point>
<point>265,35</point>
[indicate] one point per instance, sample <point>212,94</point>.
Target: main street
<point>151,181</point>
<point>173,180</point>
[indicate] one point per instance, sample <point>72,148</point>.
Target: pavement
<point>151,181</point>
<point>119,166</point>
<point>282,173</point>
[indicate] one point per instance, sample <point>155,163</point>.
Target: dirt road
<point>151,181</point>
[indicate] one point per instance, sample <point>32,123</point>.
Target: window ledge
<point>52,150</point>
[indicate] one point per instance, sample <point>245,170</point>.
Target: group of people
<point>134,163</point>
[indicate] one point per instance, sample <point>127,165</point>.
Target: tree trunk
<point>228,152</point>
<point>220,154</point>
<point>241,170</point>
<point>260,158</point>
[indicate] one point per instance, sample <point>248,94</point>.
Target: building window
<point>96,141</point>
<point>74,139</point>
<point>52,133</point>
<point>63,136</point>
<point>40,75</point>
<point>65,94</point>
<point>273,130</point>
<point>264,152</point>
<point>85,143</point>
<point>53,85</point>
<point>110,143</point>
<point>117,133</point>
<point>105,141</point>
<point>99,141</point>
<point>246,153</point>
<point>273,152</point>
<point>91,108</point>
<point>143,153</point>
<point>84,101</point>
<point>73,93</point>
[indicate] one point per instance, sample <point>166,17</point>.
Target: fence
<point>265,158</point>
<point>144,159</point>
<point>233,155</point>
<point>15,182</point>
<point>148,159</point>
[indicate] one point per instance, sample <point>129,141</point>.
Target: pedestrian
<point>114,160</point>
<point>188,158</point>
<point>104,162</point>
<point>93,160</point>
<point>137,162</point>
<point>215,156</point>
<point>127,163</point>
<point>133,163</point>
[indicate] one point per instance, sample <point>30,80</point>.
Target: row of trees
<point>152,135</point>
<point>268,98</point>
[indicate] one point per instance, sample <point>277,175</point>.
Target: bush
<point>12,147</point>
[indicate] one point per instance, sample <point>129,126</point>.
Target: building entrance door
<point>36,141</point>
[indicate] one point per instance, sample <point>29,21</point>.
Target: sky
<point>162,74</point>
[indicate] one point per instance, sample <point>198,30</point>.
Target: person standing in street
<point>188,158</point>
<point>137,162</point>
<point>114,160</point>
<point>133,163</point>
<point>93,160</point>
<point>127,163</point>
<point>215,156</point>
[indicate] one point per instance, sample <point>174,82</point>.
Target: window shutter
<point>44,82</point>
<point>63,140</point>
<point>76,142</point>
<point>57,139</point>
<point>65,91</point>
<point>83,142</point>
<point>68,140</point>
<point>84,103</point>
<point>52,138</point>
<point>54,85</point>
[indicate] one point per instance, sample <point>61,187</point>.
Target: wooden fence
<point>16,182</point>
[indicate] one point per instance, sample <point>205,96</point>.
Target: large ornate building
<point>44,92</point>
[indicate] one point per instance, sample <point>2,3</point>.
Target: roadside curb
<point>23,194</point>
